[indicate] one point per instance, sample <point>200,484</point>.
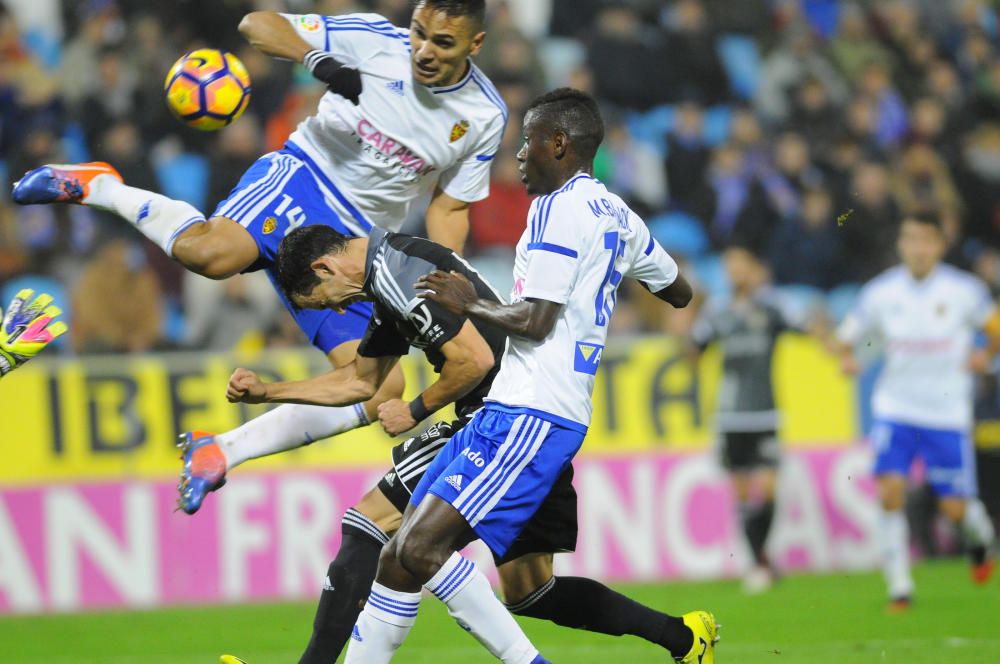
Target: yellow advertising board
<point>114,417</point>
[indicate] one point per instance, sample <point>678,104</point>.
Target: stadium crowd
<point>802,129</point>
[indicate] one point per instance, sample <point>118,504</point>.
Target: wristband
<point>418,410</point>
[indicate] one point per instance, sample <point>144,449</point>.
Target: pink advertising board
<point>72,547</point>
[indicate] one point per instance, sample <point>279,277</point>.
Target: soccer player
<point>927,314</point>
<point>491,477</point>
<point>319,268</point>
<point>747,323</point>
<point>407,113</point>
<point>27,328</point>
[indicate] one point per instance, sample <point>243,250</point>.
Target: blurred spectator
<point>869,225</point>
<point>508,55</point>
<point>634,170</point>
<point>921,182</point>
<point>854,47</point>
<point>112,99</point>
<point>797,59</point>
<point>888,104</point>
<point>238,147</point>
<point>497,222</point>
<point>805,249</point>
<point>794,166</point>
<point>221,315</point>
<point>814,115</point>
<point>696,72</point>
<point>687,154</point>
<point>116,302</point>
<point>978,178</point>
<point>627,59</point>
<point>101,25</point>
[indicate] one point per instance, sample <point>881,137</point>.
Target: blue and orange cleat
<point>204,469</point>
<point>60,183</point>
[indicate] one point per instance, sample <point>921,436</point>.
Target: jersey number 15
<point>607,292</point>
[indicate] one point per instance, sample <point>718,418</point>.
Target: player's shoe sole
<point>204,469</point>
<point>706,634</point>
<point>60,183</point>
<point>231,659</point>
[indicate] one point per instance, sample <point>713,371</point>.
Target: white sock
<point>382,626</point>
<point>977,525</point>
<point>895,536</point>
<point>471,602</point>
<point>286,427</point>
<point>159,218</point>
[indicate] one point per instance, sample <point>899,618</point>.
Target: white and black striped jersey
<point>401,319</point>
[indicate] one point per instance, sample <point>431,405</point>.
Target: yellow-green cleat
<point>706,635</point>
<point>231,659</point>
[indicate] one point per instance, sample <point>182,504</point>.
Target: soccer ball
<point>207,89</point>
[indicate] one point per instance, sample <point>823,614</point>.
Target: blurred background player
<point>27,328</point>
<point>927,315</point>
<point>407,113</point>
<point>747,322</point>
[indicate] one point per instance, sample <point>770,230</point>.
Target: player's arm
<point>273,34</point>
<point>27,329</point>
<point>678,294</point>
<point>448,221</point>
<point>345,386</point>
<point>531,318</point>
<point>467,361</point>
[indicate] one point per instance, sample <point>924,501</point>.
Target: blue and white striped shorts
<point>498,469</point>
<point>280,192</point>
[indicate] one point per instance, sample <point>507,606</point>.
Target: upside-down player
<point>408,113</point>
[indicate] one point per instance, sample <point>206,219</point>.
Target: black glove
<point>345,81</point>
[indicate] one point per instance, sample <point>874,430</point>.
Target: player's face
<point>742,269</point>
<point>335,289</point>
<point>441,45</point>
<point>536,156</point>
<point>921,247</point>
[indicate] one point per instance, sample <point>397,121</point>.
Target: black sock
<point>348,582</point>
<point>586,604</point>
<point>978,554</point>
<point>757,521</point>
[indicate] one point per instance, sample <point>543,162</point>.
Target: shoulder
<point>956,279</point>
<point>485,96</point>
<point>888,281</point>
<point>367,23</point>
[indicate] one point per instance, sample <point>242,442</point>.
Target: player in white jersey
<point>407,113</point>
<point>927,314</point>
<point>491,477</point>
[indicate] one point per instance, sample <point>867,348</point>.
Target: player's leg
<point>951,468</point>
<point>350,576</point>
<point>217,248</point>
<point>895,448</point>
<point>751,459</point>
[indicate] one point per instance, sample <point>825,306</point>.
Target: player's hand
<point>245,386</point>
<point>27,329</point>
<point>343,80</point>
<point>395,417</point>
<point>980,361</point>
<point>850,365</point>
<point>451,290</point>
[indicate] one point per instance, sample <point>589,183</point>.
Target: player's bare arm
<point>468,359</point>
<point>531,318</point>
<point>678,294</point>
<point>271,34</point>
<point>348,385</point>
<point>448,221</point>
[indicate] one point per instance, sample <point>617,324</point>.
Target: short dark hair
<point>575,113</point>
<point>475,10</point>
<point>297,252</point>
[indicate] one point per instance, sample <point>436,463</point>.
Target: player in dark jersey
<point>319,268</point>
<point>747,323</point>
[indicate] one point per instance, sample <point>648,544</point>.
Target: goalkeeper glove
<point>27,329</point>
<point>343,80</point>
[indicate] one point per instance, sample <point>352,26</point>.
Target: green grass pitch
<point>805,619</point>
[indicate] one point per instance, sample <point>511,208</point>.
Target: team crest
<point>269,225</point>
<point>309,23</point>
<point>459,130</point>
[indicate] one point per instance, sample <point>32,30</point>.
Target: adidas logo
<point>390,478</point>
<point>355,634</point>
<point>395,86</point>
<point>143,212</point>
<point>455,481</point>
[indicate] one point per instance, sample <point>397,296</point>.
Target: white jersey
<point>579,243</point>
<point>928,328</point>
<point>403,138</point>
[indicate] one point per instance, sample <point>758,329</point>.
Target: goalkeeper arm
<point>27,329</point>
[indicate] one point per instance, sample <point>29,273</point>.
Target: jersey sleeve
<point>981,304</point>
<point>382,339</point>
<point>435,325</point>
<point>651,264</point>
<point>469,179</point>
<point>861,319</point>
<point>351,38</point>
<point>553,250</point>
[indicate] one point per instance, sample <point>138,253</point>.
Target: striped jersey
<point>579,243</point>
<point>403,138</point>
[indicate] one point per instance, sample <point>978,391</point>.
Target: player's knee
<point>420,555</point>
<point>953,508</point>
